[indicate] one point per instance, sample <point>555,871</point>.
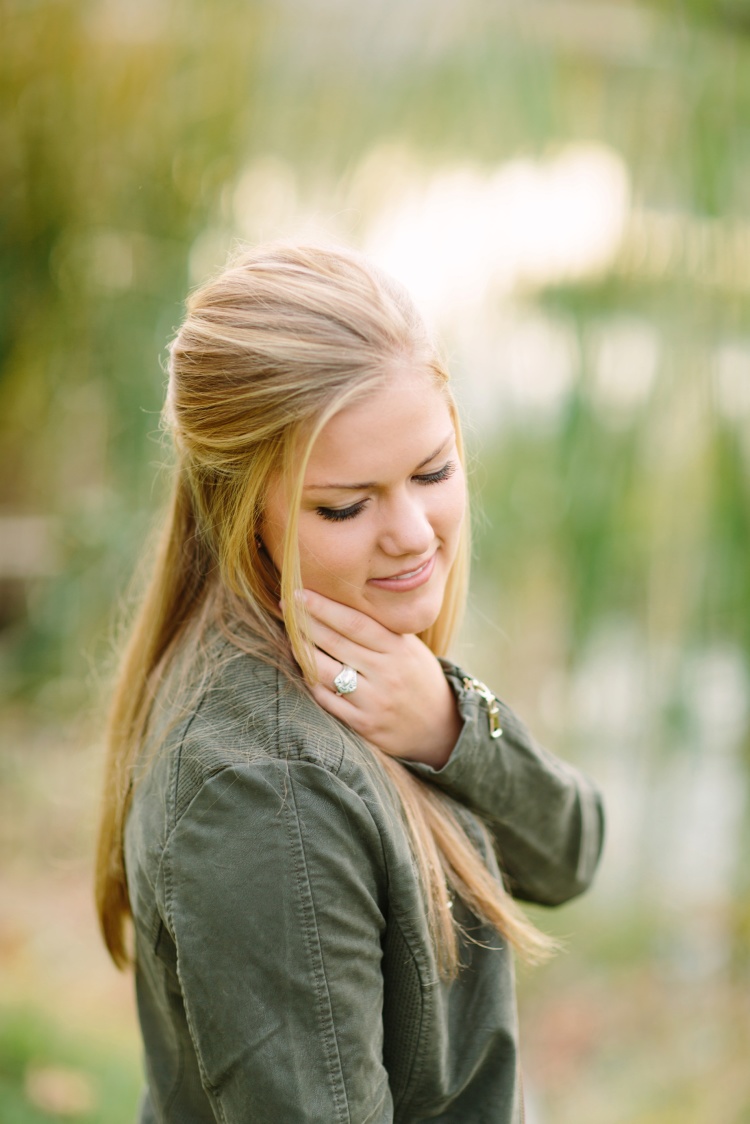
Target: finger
<point>328,668</point>
<point>328,640</point>
<point>340,648</point>
<point>360,721</point>
<point>337,705</point>
<point>349,622</point>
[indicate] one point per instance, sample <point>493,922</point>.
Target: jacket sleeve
<point>273,889</point>
<point>545,816</point>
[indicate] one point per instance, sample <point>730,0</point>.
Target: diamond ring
<point>346,681</point>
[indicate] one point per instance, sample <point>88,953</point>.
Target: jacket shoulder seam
<point>312,941</point>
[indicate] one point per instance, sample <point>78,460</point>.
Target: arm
<point>272,895</point>
<point>545,816</point>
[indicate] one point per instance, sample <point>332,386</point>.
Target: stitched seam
<point>178,761</point>
<point>342,777</point>
<point>411,940</point>
<point>207,1084</point>
<point>163,866</point>
<point>425,1022</point>
<point>172,817</point>
<point>172,1097</point>
<point>315,954</point>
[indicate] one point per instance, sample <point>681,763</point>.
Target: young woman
<point>307,810</point>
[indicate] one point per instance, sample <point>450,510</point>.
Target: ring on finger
<point>346,681</point>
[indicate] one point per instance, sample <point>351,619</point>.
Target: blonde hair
<point>269,351</point>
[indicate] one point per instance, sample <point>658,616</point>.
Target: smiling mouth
<point>406,573</point>
<point>407,579</point>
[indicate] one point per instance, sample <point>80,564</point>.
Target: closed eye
<point>339,514</point>
<point>443,473</point>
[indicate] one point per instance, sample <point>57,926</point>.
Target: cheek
<point>452,508</point>
<point>329,553</point>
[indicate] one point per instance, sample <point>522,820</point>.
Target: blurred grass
<point>620,1028</point>
<point>47,1074</point>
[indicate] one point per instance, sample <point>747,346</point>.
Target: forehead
<point>390,431</point>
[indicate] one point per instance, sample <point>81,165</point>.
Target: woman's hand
<point>403,703</point>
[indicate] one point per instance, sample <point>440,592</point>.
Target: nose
<point>407,528</point>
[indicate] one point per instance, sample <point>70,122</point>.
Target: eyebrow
<point>371,483</point>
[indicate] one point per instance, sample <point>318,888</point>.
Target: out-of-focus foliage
<point>120,127</point>
<point>48,1075</point>
<point>126,129</point>
<point>611,403</point>
<point>133,135</point>
<point>140,139</point>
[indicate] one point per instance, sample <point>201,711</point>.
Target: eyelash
<point>339,514</point>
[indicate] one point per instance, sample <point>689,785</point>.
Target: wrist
<point>445,725</point>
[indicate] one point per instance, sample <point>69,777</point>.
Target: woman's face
<point>382,505</point>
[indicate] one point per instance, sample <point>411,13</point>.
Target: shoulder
<point>244,716</point>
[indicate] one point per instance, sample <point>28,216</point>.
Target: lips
<point>406,579</point>
<point>407,573</point>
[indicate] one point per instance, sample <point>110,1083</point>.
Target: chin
<point>409,618</point>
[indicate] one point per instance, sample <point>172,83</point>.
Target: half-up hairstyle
<point>272,348</point>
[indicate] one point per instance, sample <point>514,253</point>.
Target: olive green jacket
<point>284,973</point>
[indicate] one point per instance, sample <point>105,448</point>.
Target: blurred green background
<point>565,186</point>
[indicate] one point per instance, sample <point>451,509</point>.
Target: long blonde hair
<point>279,342</point>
